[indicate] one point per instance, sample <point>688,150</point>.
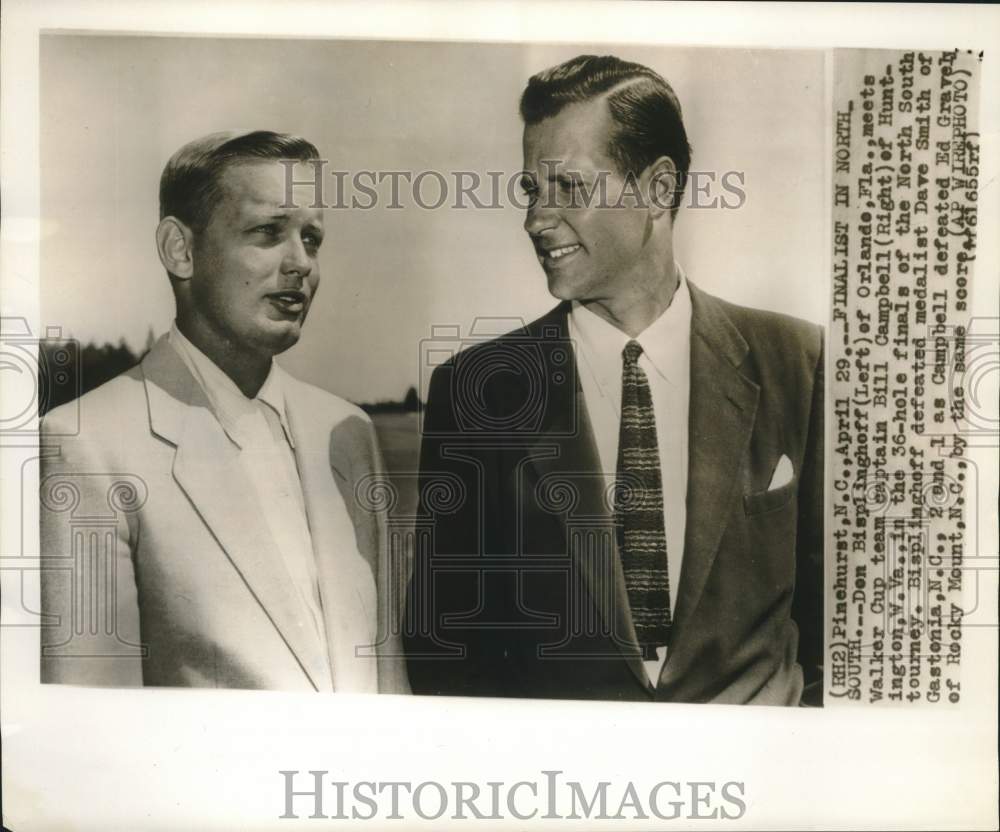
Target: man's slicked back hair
<point>190,185</point>
<point>645,110</point>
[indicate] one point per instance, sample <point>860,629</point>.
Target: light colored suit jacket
<point>520,592</point>
<point>158,568</point>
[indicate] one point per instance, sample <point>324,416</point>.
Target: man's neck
<point>247,370</point>
<point>634,312</point>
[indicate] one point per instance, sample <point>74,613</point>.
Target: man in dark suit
<point>623,500</point>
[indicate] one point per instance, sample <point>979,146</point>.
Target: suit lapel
<point>723,404</point>
<point>208,469</point>
<point>325,470</point>
<point>566,451</point>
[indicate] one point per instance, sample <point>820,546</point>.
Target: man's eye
<point>270,229</point>
<point>312,241</point>
<point>529,187</point>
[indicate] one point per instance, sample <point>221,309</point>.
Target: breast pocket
<point>765,502</point>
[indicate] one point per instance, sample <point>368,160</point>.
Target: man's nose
<point>297,260</point>
<point>540,216</point>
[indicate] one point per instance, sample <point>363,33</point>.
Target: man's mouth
<point>554,255</point>
<point>291,302</point>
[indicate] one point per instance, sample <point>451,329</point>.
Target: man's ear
<point>175,244</point>
<point>662,186</point>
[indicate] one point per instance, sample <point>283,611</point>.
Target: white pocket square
<point>783,473</point>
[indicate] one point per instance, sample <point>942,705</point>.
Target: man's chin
<point>279,337</point>
<point>562,287</point>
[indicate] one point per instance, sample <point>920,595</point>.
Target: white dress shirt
<point>666,361</point>
<point>259,428</point>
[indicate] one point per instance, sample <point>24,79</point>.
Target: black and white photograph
<point>451,424</point>
<point>723,527</point>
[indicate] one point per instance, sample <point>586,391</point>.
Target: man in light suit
<point>204,527</point>
<point>637,475</point>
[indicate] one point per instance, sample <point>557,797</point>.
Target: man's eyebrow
<point>266,210</point>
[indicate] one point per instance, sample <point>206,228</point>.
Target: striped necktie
<point>642,539</point>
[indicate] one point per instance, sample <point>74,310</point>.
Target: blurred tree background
<point>69,370</point>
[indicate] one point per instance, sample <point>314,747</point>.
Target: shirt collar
<point>665,342</point>
<point>231,407</point>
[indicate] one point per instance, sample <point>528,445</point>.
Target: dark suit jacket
<point>517,588</point>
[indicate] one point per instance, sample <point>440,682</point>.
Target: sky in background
<point>114,108</point>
